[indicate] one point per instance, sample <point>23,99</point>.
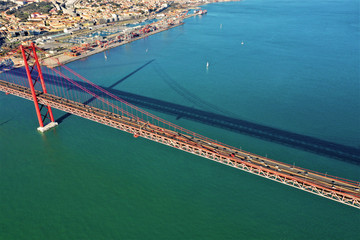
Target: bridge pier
<point>47,127</point>
<point>27,54</point>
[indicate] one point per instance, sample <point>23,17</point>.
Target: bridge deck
<point>337,189</point>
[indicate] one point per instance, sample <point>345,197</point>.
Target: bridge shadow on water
<point>63,117</point>
<point>5,122</point>
<point>283,137</point>
<point>287,138</point>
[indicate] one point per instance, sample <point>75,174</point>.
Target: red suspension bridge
<point>66,90</point>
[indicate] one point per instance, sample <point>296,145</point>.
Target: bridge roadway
<point>334,188</point>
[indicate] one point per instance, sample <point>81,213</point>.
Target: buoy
<point>136,136</point>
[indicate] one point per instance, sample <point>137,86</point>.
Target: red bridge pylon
<point>28,53</point>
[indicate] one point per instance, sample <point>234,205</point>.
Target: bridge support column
<point>27,53</point>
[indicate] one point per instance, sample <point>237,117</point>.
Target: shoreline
<point>62,59</point>
<point>49,62</point>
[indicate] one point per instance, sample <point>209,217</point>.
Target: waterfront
<point>84,180</point>
<point>62,58</point>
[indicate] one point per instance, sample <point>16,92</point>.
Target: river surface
<point>290,65</point>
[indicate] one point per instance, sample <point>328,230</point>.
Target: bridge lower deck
<point>337,189</point>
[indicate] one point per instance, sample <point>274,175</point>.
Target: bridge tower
<point>43,112</point>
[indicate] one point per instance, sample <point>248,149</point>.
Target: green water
<point>298,70</point>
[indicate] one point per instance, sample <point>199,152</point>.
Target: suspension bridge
<point>68,91</point>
